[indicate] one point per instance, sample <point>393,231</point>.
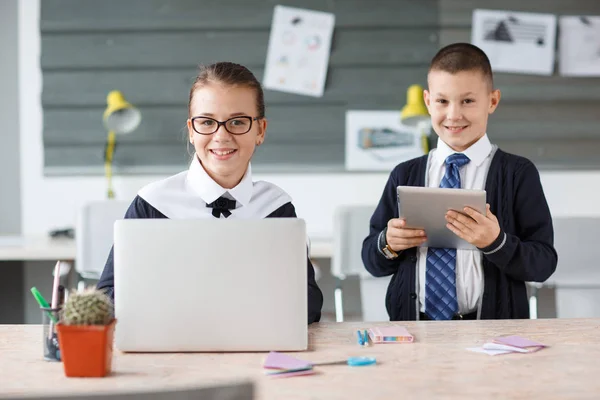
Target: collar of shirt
<point>209,190</point>
<point>477,153</point>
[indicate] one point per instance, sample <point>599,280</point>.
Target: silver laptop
<point>210,285</point>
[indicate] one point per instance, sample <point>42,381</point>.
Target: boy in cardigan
<point>515,237</point>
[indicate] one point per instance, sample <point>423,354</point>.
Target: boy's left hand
<point>477,229</point>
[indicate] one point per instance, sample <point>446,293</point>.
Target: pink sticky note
<point>518,341</point>
<point>277,360</point>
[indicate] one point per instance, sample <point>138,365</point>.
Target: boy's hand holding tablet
<point>474,227</point>
<point>400,238</point>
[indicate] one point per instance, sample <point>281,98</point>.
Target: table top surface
<point>38,248</point>
<point>436,365</point>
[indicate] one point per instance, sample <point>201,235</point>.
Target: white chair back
<point>94,235</point>
<point>577,276</point>
<point>351,227</point>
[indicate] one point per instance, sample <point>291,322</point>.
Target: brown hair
<point>460,57</point>
<point>229,73</point>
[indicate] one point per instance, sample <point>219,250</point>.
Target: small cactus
<point>90,307</point>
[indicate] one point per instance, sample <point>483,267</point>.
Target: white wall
<point>10,200</point>
<point>10,180</point>
<point>52,202</point>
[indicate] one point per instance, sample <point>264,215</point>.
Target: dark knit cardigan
<point>522,252</point>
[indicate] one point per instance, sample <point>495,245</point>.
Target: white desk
<point>36,248</point>
<point>321,247</point>
<point>19,278</point>
<point>45,248</point>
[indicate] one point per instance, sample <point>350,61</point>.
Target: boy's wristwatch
<point>385,248</point>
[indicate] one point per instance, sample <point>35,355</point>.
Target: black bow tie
<point>221,206</point>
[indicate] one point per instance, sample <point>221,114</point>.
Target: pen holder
<point>50,317</point>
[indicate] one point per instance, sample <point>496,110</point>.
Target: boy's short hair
<point>460,57</point>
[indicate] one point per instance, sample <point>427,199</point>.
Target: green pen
<point>42,302</point>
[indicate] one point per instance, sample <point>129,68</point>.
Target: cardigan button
<point>413,296</point>
<point>413,259</point>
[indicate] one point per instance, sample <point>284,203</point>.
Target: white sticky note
<point>488,352</point>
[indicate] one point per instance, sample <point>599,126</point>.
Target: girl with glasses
<point>226,122</point>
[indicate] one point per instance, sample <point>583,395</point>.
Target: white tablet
<point>425,208</point>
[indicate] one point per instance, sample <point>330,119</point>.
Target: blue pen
<point>360,338</point>
<point>366,338</point>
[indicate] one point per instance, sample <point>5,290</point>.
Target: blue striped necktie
<point>440,272</point>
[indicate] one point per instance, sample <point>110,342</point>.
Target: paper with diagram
<point>376,140</point>
<point>298,53</point>
<point>516,42</point>
<point>579,50</point>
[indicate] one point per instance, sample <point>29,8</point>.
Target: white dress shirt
<point>185,195</point>
<point>469,271</point>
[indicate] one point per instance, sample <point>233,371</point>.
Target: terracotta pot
<point>86,350</point>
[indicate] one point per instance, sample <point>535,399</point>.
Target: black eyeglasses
<point>235,125</point>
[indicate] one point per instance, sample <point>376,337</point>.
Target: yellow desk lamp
<point>415,114</point>
<point>120,117</point>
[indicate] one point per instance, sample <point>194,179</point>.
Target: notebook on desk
<point>210,285</point>
<point>390,334</point>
